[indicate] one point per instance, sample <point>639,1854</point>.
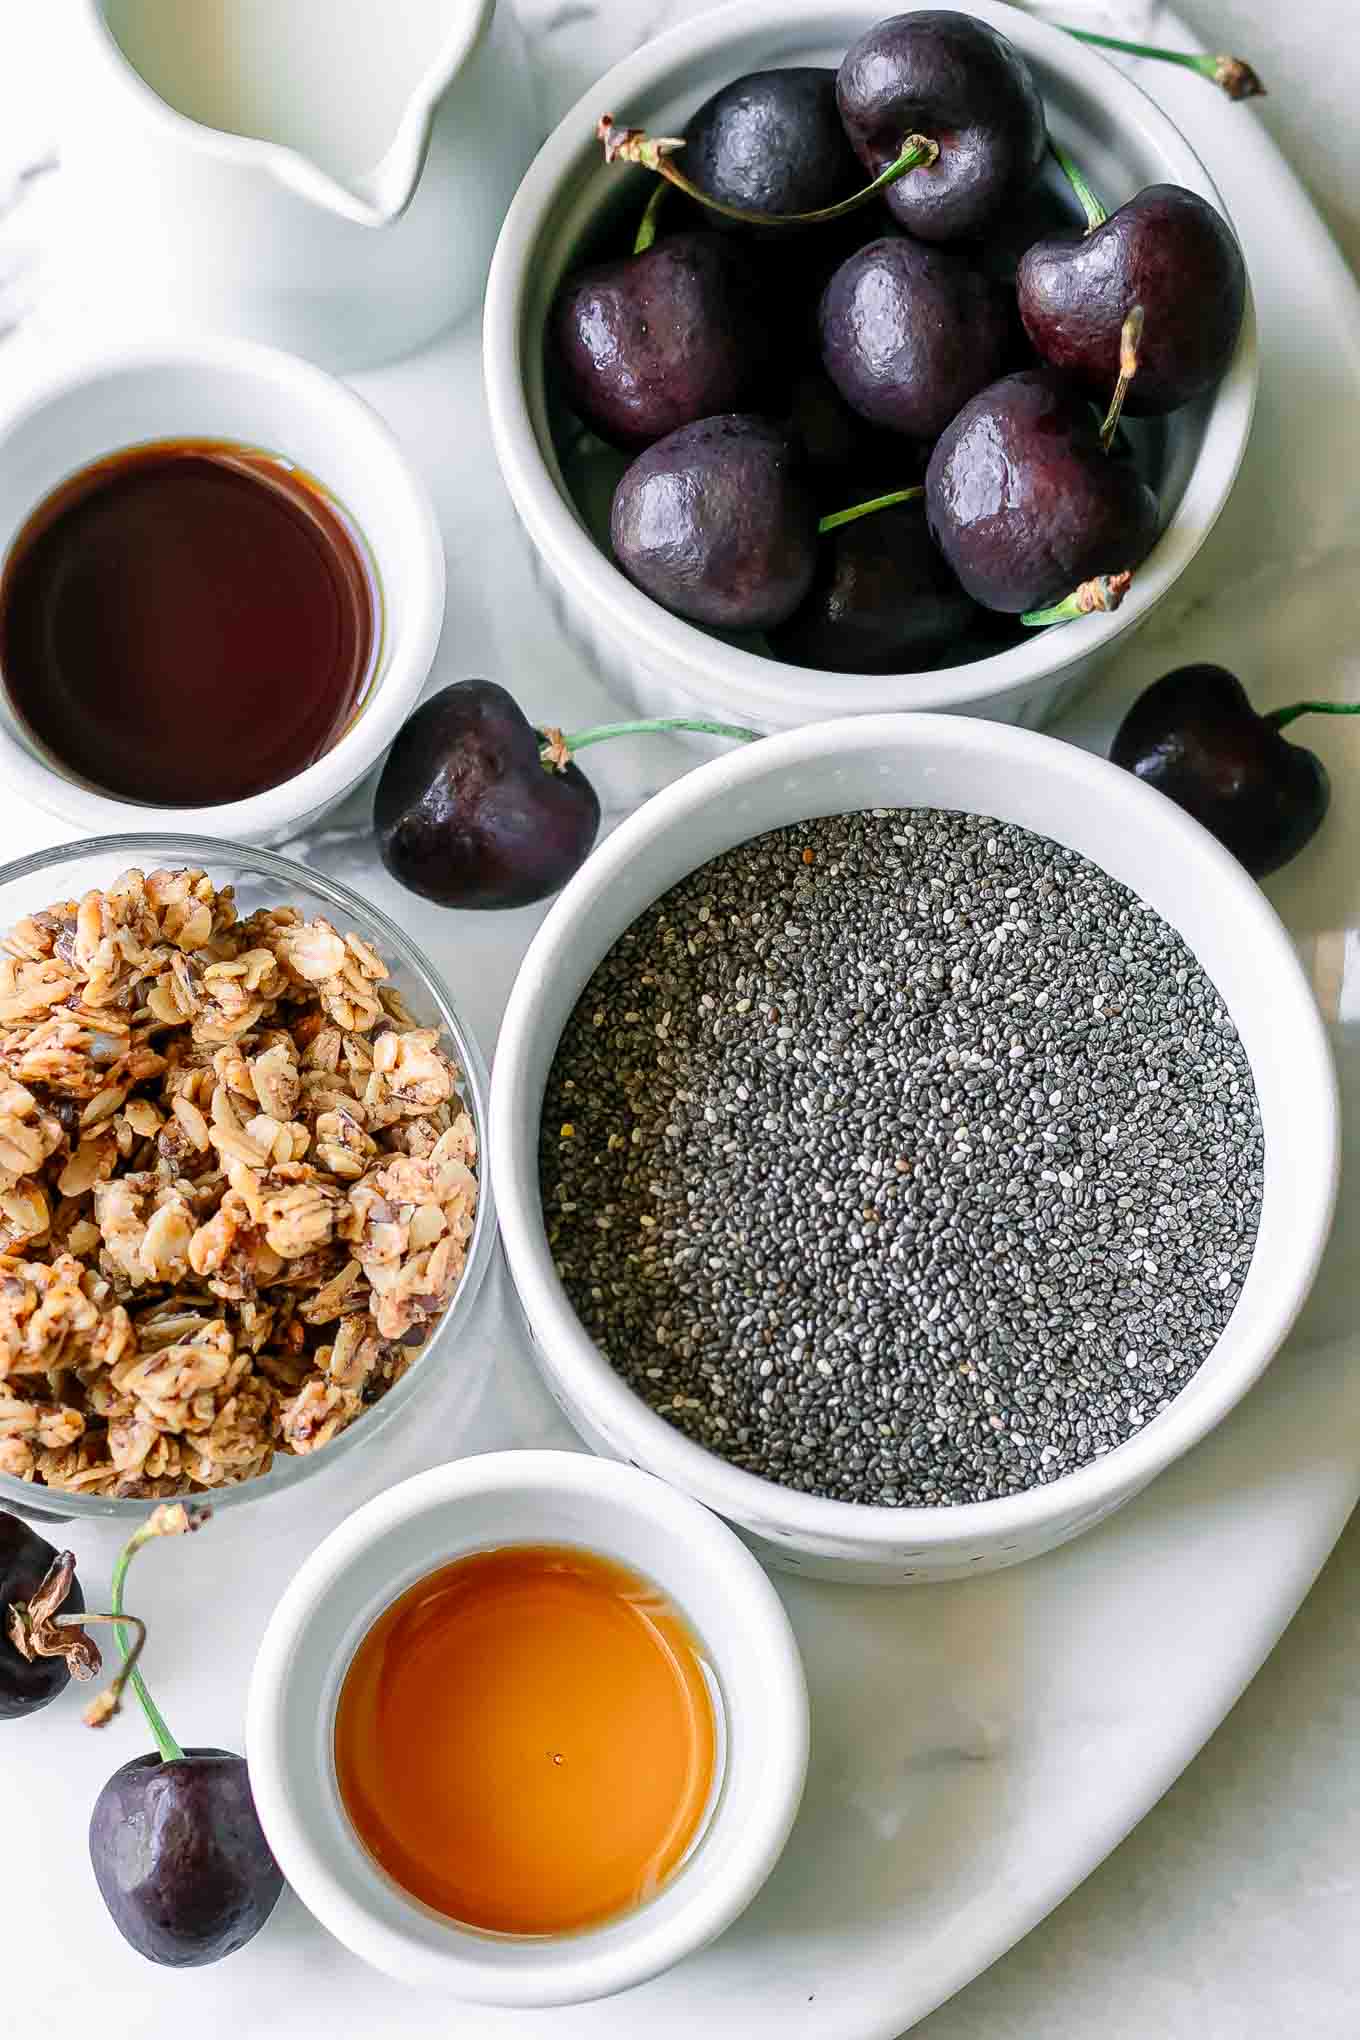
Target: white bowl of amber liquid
<point>528,1729</point>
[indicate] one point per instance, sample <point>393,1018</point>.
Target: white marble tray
<point>977,1748</point>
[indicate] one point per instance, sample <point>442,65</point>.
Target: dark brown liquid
<point>186,622</point>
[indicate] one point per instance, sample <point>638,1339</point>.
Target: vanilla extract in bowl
<point>188,622</point>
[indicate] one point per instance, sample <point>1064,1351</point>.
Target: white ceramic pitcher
<point>326,175</point>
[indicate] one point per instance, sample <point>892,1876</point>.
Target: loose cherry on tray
<point>43,1645</point>
<point>1195,736</point>
<point>176,1845</point>
<point>477,808</point>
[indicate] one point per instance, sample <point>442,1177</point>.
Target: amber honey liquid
<point>526,1740</point>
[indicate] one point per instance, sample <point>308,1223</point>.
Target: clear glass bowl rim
<point>158,851</point>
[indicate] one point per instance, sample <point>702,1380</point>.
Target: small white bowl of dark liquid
<point>221,590</point>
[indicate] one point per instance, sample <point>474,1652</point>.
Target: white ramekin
<point>661,664</point>
<point>233,390</point>
<point>1137,836</point>
<point>473,1505</point>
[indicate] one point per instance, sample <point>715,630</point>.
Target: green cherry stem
<point>654,152</point>
<point>1095,212</point>
<point>1230,74</point>
<point>1106,592</point>
<point>171,1519</point>
<point>839,517</point>
<point>604,731</point>
<point>646,232</point>
<point>1279,718</point>
<point>557,749</point>
<point>1131,333</point>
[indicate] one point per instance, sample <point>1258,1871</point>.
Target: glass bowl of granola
<point>243,1214</point>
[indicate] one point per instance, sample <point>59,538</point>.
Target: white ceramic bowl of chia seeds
<point>1141,841</point>
<point>570,206</point>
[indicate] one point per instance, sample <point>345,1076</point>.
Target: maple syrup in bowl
<point>528,1729</point>
<point>221,592</point>
<point>188,622</point>
<point>528,1740</point>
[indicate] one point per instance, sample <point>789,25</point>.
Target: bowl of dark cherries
<point>824,382</point>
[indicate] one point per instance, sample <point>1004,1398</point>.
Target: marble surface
<point>1230,1911</point>
<point>1310,58</point>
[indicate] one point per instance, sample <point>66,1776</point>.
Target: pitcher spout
<point>373,198</point>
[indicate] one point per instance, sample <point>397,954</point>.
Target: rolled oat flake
<point>902,1157</point>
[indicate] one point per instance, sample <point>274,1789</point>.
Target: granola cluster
<point>237,1187</point>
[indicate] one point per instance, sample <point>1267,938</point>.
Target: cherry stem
<point>557,748</point>
<point>1096,215</point>
<point>1105,592</point>
<point>108,1702</point>
<point>839,517</point>
<point>646,232</point>
<point>1231,74</point>
<point>1130,340</point>
<point>171,1519</point>
<point>635,145</point>
<point>34,1626</point>
<point>1279,717</point>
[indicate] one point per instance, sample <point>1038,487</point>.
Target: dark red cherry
<point>717,523</point>
<point>1023,501</point>
<point>649,342</point>
<point>37,1657</point>
<point>883,601</point>
<point>952,78</point>
<point>1167,250</point>
<point>466,812</point>
<point>844,457</point>
<point>477,808</point>
<point>772,142</point>
<point>836,443</point>
<point>910,332</point>
<point>176,1846</point>
<point>1195,736</point>
<point>180,1858</point>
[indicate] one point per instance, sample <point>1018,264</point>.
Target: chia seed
<point>902,1157</point>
